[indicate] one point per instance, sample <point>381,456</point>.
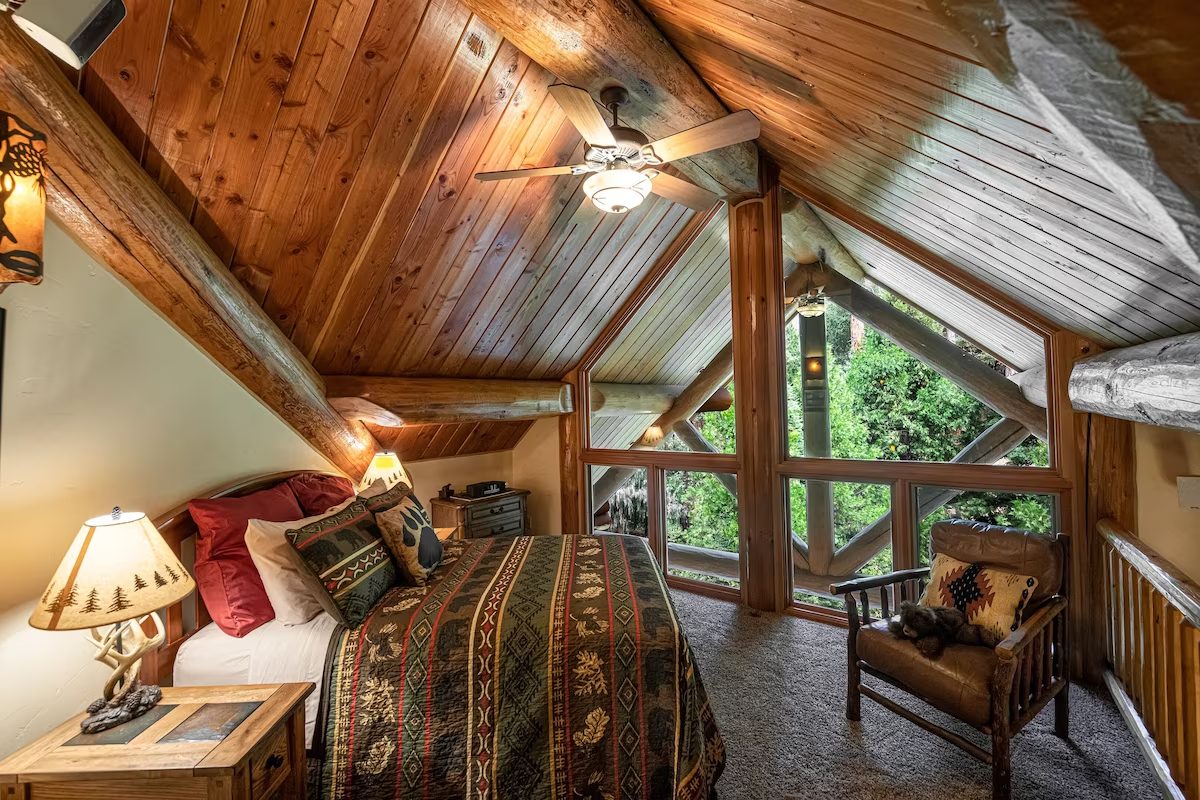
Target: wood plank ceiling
<point>875,109</point>
<point>325,150</point>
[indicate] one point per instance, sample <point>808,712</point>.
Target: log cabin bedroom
<point>646,399</point>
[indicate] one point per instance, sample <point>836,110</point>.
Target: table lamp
<point>117,573</point>
<point>385,466</point>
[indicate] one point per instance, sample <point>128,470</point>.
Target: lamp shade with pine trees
<point>118,568</point>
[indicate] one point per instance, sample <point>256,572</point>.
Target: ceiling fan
<point>623,162</point>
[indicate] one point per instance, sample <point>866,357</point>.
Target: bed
<point>528,667</point>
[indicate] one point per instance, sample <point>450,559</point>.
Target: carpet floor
<point>777,685</point>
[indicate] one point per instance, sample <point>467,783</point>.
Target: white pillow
<point>293,590</point>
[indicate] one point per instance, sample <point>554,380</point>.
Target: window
<point>703,538</point>
<point>676,344</point>
<point>619,500</point>
<point>852,392</point>
<point>840,530</point>
<point>1030,512</point>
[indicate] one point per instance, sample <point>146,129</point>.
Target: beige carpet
<point>777,684</point>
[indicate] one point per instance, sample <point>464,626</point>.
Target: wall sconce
<point>22,201</point>
<point>814,367</point>
<point>70,29</point>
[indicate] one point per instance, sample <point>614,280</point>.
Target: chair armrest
<point>875,581</point>
<point>1023,636</point>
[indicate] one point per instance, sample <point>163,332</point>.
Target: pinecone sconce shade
<point>22,201</point>
<point>117,571</point>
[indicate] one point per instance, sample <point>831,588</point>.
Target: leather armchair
<point>998,691</point>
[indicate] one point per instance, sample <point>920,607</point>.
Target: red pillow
<point>226,576</point>
<point>317,493</point>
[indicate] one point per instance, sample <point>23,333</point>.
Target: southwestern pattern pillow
<point>989,597</point>
<point>346,552</point>
<point>411,538</point>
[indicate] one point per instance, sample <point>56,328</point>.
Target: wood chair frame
<point>1033,668</point>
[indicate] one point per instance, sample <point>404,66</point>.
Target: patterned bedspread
<point>531,667</point>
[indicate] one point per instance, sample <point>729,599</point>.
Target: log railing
<point>1154,656</point>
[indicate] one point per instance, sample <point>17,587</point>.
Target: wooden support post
<point>817,442</point>
<point>1085,623</point>
<point>108,203</point>
<point>576,515</point>
<point>756,261</point>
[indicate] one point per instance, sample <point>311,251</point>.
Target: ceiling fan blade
<point>583,113</point>
<point>532,172</point>
<point>683,192</point>
<point>741,126</point>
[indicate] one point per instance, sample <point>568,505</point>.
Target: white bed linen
<point>272,653</point>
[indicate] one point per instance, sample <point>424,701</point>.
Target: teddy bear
<point>931,628</point>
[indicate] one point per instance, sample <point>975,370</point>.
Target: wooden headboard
<point>184,618</point>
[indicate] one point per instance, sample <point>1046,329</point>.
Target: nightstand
<point>208,743</point>
<point>503,514</point>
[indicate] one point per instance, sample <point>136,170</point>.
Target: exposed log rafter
<point>1072,61</point>
<point>116,211</point>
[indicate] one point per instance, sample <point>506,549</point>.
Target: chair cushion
<point>957,682</point>
<point>991,598</point>
<point>1007,549</point>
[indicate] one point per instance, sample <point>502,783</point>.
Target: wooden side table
<point>208,743</point>
<point>504,514</point>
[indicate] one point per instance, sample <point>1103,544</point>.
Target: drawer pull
<point>496,510</point>
<point>274,761</point>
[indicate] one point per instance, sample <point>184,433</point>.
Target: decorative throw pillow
<point>989,597</point>
<point>226,576</point>
<point>295,593</point>
<point>346,552</point>
<point>317,492</point>
<point>378,498</point>
<point>411,538</point>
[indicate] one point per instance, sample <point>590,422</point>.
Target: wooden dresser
<point>208,743</point>
<point>504,514</point>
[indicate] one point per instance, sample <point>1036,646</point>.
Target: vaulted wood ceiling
<point>325,150</point>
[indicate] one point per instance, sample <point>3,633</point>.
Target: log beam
<point>626,399</point>
<point>596,44</point>
<point>453,400</point>
<point>941,355</point>
<point>1156,383</point>
<point>807,239</point>
<point>122,218</point>
<point>1116,83</point>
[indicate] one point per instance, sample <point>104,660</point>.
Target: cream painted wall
<point>430,476</point>
<point>535,467</point>
<point>104,403</point>
<point>1163,454</point>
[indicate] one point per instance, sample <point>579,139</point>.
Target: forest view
<point>884,405</point>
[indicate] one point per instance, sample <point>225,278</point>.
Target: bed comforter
<point>529,667</point>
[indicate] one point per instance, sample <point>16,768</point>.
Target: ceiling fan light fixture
<point>617,190</point>
<point>811,305</point>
